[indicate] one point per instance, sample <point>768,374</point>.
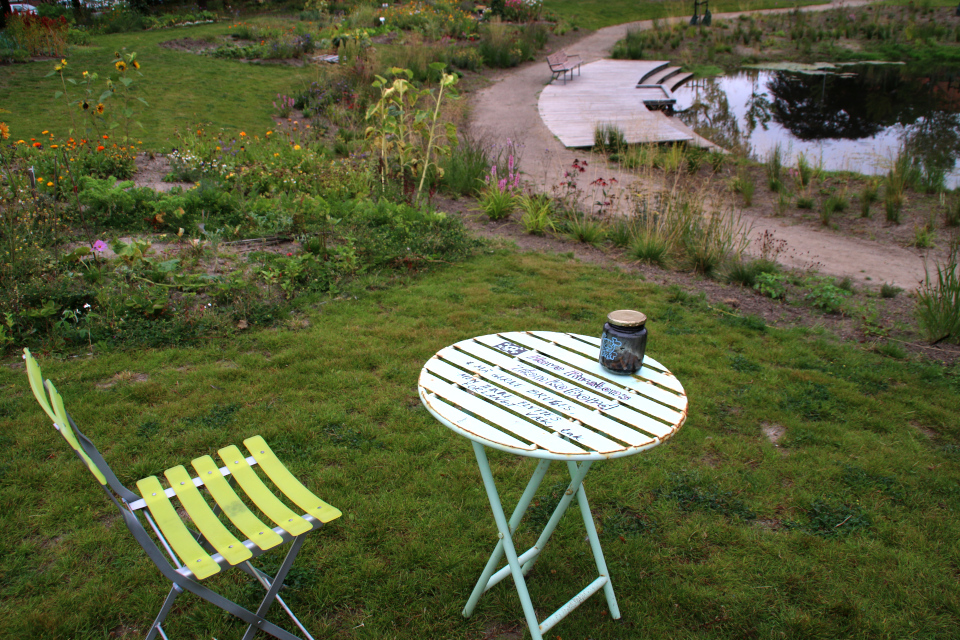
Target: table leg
<point>595,546</point>
<point>506,539</point>
<point>519,566</point>
<point>515,518</point>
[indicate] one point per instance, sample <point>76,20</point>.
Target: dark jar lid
<point>626,318</point>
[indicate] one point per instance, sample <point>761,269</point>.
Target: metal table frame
<point>454,388</point>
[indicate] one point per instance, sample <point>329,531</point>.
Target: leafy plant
<point>771,285</point>
<point>649,246</point>
<point>868,195</point>
<point>537,214</point>
<point>497,204</point>
<point>827,297</point>
<point>584,228</point>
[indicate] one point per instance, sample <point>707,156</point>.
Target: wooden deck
<point>606,93</point>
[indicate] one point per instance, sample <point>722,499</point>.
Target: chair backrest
<point>55,409</point>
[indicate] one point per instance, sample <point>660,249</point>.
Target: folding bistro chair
<point>199,555</point>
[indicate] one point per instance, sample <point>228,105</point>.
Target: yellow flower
<point>49,184</point>
<point>120,65</point>
<point>86,73</point>
<point>63,61</point>
<point>136,65</point>
<point>43,133</point>
<point>4,131</point>
<point>99,107</point>
<point>276,155</point>
<point>269,132</point>
<point>296,147</point>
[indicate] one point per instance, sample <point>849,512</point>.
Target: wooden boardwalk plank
<point>605,93</point>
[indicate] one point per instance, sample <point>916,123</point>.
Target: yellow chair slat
<point>189,550</point>
<point>292,488</point>
<point>238,513</point>
<point>36,383</point>
<point>265,500</point>
<point>203,516</point>
<point>63,425</point>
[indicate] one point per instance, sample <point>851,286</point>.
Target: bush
<point>38,35</point>
<point>503,46</point>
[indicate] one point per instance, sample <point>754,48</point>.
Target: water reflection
<point>855,120</point>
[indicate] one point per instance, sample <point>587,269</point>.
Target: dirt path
<point>507,109</point>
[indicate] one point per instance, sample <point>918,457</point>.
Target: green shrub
<point>771,285</point>
<point>583,228</point>
<point>827,297</point>
<point>537,216</point>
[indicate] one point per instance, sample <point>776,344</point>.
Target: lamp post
<point>705,20</point>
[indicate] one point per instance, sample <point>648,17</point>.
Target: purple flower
<point>99,246</point>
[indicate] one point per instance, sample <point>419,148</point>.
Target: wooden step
<point>656,69</point>
<point>678,80</point>
<point>662,76</point>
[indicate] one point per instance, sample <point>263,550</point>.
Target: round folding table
<point>543,395</point>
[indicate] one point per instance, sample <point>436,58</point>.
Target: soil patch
<point>189,44</point>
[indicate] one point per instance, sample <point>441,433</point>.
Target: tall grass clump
<point>584,228</point>
<point>703,240</point>
<point>938,299</point>
<point>743,184</point>
<point>609,138</point>
<point>631,47</point>
<point>868,195</point>
<point>503,45</point>
<point>951,214</point>
<point>465,167</point>
<point>774,169</point>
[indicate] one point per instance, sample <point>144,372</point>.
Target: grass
<point>595,14</point>
<point>689,528</point>
<point>228,95</point>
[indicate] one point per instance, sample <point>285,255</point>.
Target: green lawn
<point>848,528</point>
<point>182,88</point>
<point>596,14</point>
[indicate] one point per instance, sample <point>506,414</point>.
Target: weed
<point>888,290</point>
<point>868,195</point>
<point>805,202</point>
<point>625,523</point>
<point>220,415</point>
<point>951,214</point>
<point>891,350</point>
<point>923,237</point>
<point>810,401</point>
<point>774,168</point>
<point>893,204</point>
<point>830,519</point>
<point>692,493</point>
<point>743,364</point>
<point>744,185</point>
<point>609,137</point>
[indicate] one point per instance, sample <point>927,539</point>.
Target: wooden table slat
<point>502,418</point>
<point>593,353</point>
<point>569,409</point>
<point>597,406</point>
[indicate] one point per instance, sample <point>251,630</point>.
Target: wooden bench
<point>561,63</point>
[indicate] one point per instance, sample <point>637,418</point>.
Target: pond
<point>847,117</point>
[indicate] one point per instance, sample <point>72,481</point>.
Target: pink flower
<point>99,246</point>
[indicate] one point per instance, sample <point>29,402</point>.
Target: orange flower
<point>37,145</point>
<point>121,66</point>
<point>106,137</point>
<point>54,146</point>
<point>101,148</point>
<point>4,131</point>
<point>43,133</point>
<point>136,65</point>
<point>100,107</point>
<point>243,135</point>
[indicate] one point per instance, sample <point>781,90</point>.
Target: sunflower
<point>116,54</point>
<point>4,131</point>
<point>85,105</point>
<point>136,65</point>
<point>120,65</point>
<point>100,108</point>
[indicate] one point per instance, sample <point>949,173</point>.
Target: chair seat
<point>228,550</point>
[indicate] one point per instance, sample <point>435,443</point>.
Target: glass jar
<point>624,341</point>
